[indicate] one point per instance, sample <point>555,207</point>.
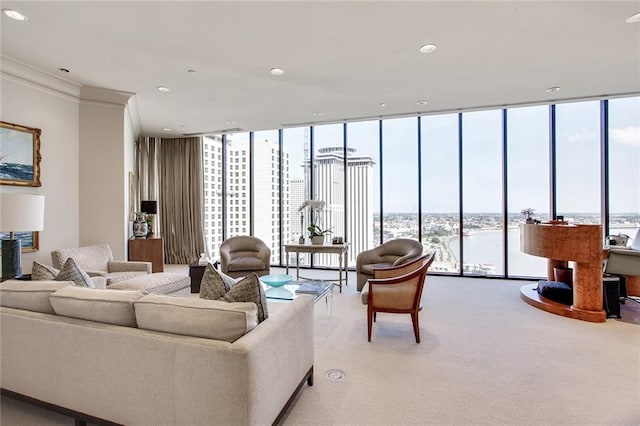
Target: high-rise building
<point>330,187</point>
<point>266,201</point>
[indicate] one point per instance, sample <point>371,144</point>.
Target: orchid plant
<point>316,207</point>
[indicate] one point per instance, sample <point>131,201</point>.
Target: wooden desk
<point>581,244</point>
<point>340,249</point>
<point>148,250</point>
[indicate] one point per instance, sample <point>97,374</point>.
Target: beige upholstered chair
<point>97,261</point>
<point>391,253</point>
<point>243,255</point>
<point>397,290</point>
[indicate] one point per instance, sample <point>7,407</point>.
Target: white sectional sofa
<point>131,374</point>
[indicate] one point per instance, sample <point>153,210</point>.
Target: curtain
<point>170,172</point>
<point>147,176</point>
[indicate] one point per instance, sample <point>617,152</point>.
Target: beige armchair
<point>392,253</point>
<point>242,255</point>
<point>397,290</point>
<point>97,261</point>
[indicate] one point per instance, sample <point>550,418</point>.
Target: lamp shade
<point>149,207</point>
<point>21,212</point>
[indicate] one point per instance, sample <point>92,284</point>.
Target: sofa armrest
<point>129,266</point>
<point>280,351</point>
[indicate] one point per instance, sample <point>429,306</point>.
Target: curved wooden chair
<point>397,290</point>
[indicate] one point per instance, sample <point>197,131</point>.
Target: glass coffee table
<point>280,289</point>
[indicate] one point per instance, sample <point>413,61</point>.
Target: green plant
<point>316,231</point>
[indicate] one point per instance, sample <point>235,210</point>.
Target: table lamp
<point>150,208</point>
<point>18,213</point>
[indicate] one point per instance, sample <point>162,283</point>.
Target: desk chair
<point>622,262</point>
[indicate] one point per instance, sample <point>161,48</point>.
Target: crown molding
<point>28,75</point>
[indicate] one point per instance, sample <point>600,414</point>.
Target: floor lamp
<point>18,213</point>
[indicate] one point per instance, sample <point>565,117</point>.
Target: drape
<point>170,171</point>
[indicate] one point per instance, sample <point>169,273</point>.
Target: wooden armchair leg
<point>370,315</point>
<point>416,327</point>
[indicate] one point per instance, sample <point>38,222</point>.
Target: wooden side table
<point>148,250</point>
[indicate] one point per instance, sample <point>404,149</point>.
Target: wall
<point>87,148</point>
<point>103,170</point>
<point>51,105</point>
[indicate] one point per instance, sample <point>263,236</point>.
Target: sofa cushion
<point>107,306</point>
<point>368,269</point>
<point>215,284</point>
<point>30,295</point>
<point>246,264</point>
<point>192,316</point>
<point>41,272</point>
<point>249,289</point>
<point>71,272</point>
<point>161,282</point>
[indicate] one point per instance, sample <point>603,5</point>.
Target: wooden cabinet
<point>148,250</point>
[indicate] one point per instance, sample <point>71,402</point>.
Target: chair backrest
<point>399,248</point>
<point>244,245</point>
<point>636,241</point>
<point>416,275</point>
<point>88,258</point>
<point>623,262</point>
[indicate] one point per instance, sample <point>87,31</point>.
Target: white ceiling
<point>340,58</point>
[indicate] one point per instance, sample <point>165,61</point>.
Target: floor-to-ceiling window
<point>578,161</point>
<point>213,192</point>
<point>267,192</point>
<point>238,185</point>
<point>296,152</point>
<point>624,166</point>
<point>400,178</point>
<point>363,187</point>
<point>527,180</point>
<point>329,183</point>
<point>396,167</point>
<point>482,231</point>
<point>440,188</point>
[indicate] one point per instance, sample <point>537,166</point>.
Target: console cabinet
<point>148,250</point>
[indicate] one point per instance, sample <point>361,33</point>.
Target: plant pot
<point>317,239</point>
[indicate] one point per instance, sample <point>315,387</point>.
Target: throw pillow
<point>71,272</point>
<point>214,284</point>
<point>40,272</point>
<point>249,289</point>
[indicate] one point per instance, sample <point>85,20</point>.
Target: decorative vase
<point>140,227</point>
<point>317,239</point>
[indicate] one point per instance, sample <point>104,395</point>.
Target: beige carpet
<point>486,358</point>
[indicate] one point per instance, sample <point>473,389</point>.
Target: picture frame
<point>30,241</point>
<point>19,155</point>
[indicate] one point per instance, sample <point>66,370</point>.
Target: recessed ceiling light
<point>14,14</point>
<point>316,114</point>
<point>276,71</point>
<point>428,48</point>
<point>420,103</point>
<point>63,70</point>
<point>166,129</point>
<point>634,19</point>
<point>163,89</point>
<point>192,71</point>
<point>382,104</point>
<point>553,89</point>
<point>231,122</point>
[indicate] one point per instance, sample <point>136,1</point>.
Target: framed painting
<point>29,241</point>
<point>19,155</point>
